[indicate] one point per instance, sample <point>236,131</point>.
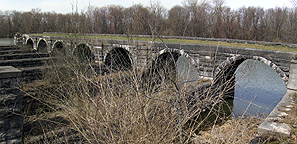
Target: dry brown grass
<point>235,130</point>
<point>123,107</point>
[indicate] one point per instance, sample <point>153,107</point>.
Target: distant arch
<point>118,58</point>
<point>30,43</point>
<point>58,47</point>
<point>83,53</point>
<point>42,45</point>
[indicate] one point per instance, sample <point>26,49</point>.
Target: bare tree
<point>116,18</point>
<point>157,15</point>
<point>178,18</point>
<point>138,24</point>
<point>199,17</point>
<point>218,9</point>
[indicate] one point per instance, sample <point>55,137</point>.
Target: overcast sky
<point>64,6</point>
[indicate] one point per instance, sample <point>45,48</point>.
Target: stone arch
<point>58,47</point>
<point>42,45</point>
<point>229,66</point>
<point>179,51</point>
<point>118,58</point>
<point>82,52</point>
<point>169,63</point>
<point>30,43</point>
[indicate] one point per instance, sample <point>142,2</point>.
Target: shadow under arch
<point>118,59</point>
<point>30,43</point>
<point>83,53</point>
<point>173,66</point>
<point>42,46</point>
<point>165,65</point>
<point>224,76</point>
<point>58,47</point>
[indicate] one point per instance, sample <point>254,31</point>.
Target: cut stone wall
<point>207,58</point>
<point>292,83</point>
<point>11,120</point>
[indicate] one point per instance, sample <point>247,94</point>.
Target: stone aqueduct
<point>208,60</point>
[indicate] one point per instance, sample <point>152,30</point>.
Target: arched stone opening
<point>165,65</point>
<point>30,43</point>
<point>83,53</point>
<point>225,74</point>
<point>171,67</point>
<point>258,88</point>
<point>42,46</point>
<point>118,59</point>
<point>58,47</point>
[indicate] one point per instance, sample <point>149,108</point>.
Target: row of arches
<point>167,61</point>
<point>116,59</point>
<point>174,65</point>
<point>59,46</point>
<point>42,45</point>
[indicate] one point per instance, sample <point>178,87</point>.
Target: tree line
<point>195,18</point>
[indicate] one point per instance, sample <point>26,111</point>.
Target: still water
<point>6,41</point>
<point>258,89</point>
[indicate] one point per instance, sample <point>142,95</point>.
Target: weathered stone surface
<point>292,83</point>
<point>272,124</point>
<point>9,72</point>
<point>11,121</point>
<point>10,134</point>
<point>272,128</point>
<point>8,99</point>
<point>13,141</point>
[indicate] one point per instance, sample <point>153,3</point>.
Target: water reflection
<point>6,42</point>
<point>258,89</point>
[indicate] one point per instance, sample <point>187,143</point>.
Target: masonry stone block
<point>271,124</point>
<point>11,120</point>
<point>292,82</point>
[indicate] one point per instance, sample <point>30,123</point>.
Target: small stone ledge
<point>272,124</point>
<point>9,72</point>
<point>269,127</point>
<point>292,83</point>
<point>11,120</point>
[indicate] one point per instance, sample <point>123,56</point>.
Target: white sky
<point>64,6</point>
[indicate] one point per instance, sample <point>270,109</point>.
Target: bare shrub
<point>135,105</point>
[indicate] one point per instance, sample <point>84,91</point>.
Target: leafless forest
<point>194,18</point>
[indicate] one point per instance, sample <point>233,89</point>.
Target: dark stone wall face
<point>11,120</point>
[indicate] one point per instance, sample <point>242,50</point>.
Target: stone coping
<point>294,62</point>
<point>272,124</point>
<point>292,82</point>
<point>9,72</point>
<point>190,38</point>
